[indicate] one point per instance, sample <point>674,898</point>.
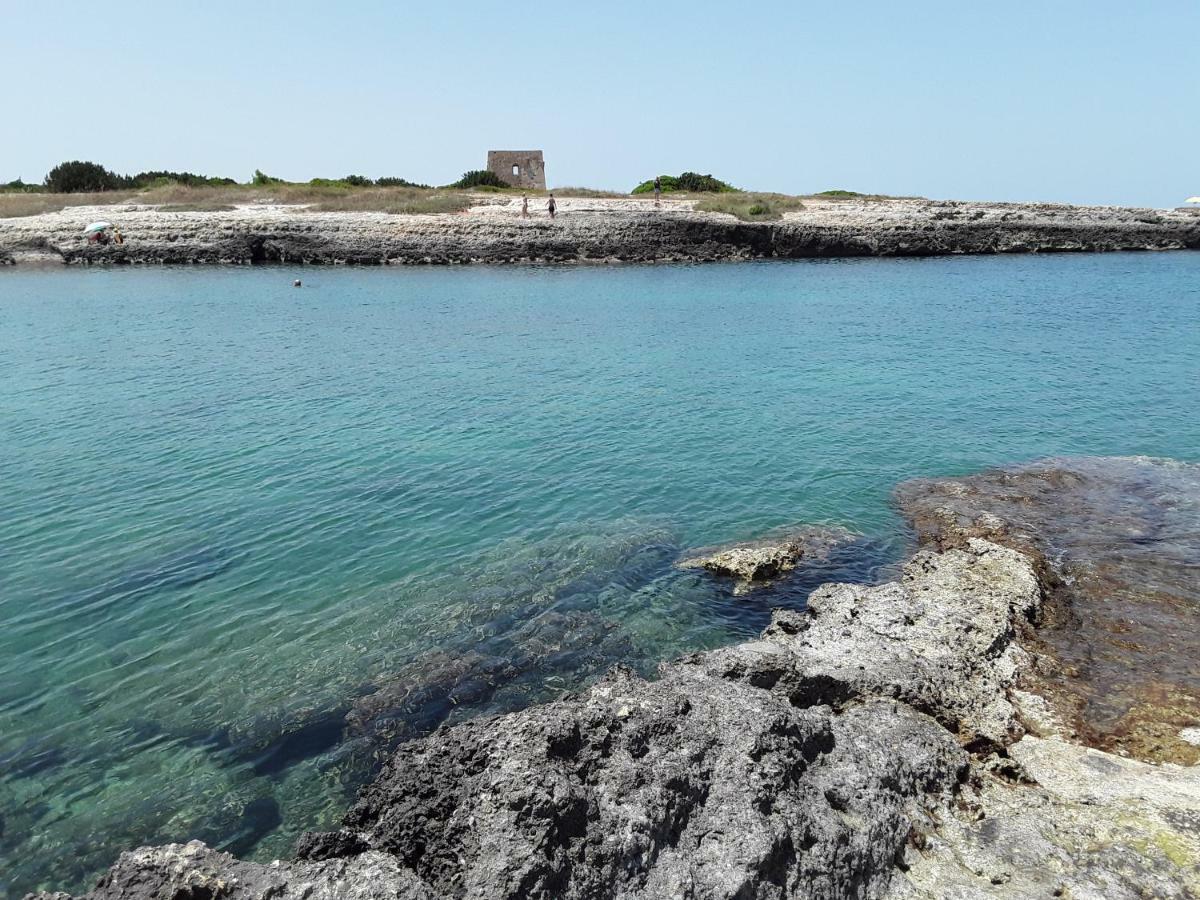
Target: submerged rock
<point>758,562</point>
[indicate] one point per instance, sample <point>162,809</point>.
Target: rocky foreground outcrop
<point>886,742</point>
<point>589,230</point>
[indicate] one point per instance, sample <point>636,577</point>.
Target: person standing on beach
<point>657,189</point>
<point>552,206</point>
<point>524,206</point>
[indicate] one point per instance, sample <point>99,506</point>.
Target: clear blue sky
<point>1091,102</point>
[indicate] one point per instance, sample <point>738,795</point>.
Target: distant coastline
<point>588,229</point>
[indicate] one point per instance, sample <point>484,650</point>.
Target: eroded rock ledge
<point>877,745</point>
<point>590,230</point>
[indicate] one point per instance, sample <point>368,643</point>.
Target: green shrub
<point>358,181</point>
<point>758,209</point>
<point>646,187</point>
<point>690,181</point>
<point>159,179</point>
<point>262,179</point>
<point>839,195</point>
<point>20,187</point>
<point>687,181</point>
<point>78,177</point>
<point>479,178</point>
<point>398,182</point>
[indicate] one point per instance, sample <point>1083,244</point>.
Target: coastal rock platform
<point>892,740</point>
<point>588,230</point>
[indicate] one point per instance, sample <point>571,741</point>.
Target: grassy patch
<point>17,205</point>
<point>749,206</point>
<point>196,207</point>
<point>399,201</point>
<point>583,192</point>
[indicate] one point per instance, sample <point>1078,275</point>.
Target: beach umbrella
<point>1193,199</point>
<point>97,226</point>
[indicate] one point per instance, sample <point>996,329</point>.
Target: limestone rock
<point>193,871</point>
<point>587,230</point>
<point>758,562</point>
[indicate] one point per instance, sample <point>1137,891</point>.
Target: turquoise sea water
<point>229,508</point>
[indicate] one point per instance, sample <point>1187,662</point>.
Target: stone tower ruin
<point>519,168</point>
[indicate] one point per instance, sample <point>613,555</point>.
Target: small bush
<point>479,178</point>
<point>398,182</point>
<point>688,181</point>
<point>839,195</point>
<point>77,177</point>
<point>358,181</point>
<point>262,179</point>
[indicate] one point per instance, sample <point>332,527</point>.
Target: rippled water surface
<point>234,514</point>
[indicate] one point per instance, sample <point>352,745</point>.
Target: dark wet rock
<point>758,562</point>
<point>1116,543</point>
<point>317,845</point>
<point>660,791</point>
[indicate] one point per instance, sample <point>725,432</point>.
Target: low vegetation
<point>687,181</point>
<point>78,177</point>
<point>855,195</point>
<point>749,206</point>
<point>331,196</point>
<point>479,178</point>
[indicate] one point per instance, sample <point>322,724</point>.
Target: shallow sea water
<point>229,508</point>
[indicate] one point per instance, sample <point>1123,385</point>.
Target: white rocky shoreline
<point>587,230</point>
<point>890,741</point>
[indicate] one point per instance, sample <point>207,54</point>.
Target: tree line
<point>80,177</point>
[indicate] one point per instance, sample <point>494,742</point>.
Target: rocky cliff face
<point>588,231</point>
<point>886,742</point>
